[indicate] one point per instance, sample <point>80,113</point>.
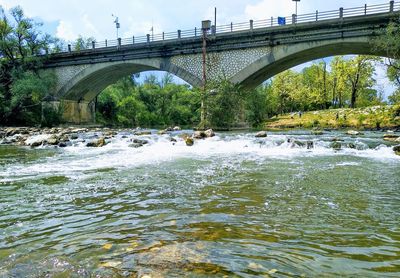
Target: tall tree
<point>389,42</point>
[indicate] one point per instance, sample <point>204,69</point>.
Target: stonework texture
<point>220,64</point>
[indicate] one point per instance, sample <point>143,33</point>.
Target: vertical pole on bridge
<point>133,39</point>
<point>106,43</point>
<point>93,44</point>
<point>231,26</point>
<point>179,34</point>
<point>391,6</point>
<point>205,26</point>
<point>119,42</point>
<point>69,48</point>
<point>251,24</point>
<point>365,9</point>
<point>341,13</point>
<point>148,38</point>
<point>272,21</point>
<point>316,15</point>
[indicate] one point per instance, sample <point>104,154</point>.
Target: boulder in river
<point>53,140</point>
<point>64,144</point>
<point>142,132</point>
<point>391,138</point>
<point>189,141</point>
<point>137,143</point>
<point>199,134</point>
<point>36,140</point>
<point>209,133</point>
<point>177,128</point>
<point>396,149</point>
<point>354,133</point>
<point>261,134</point>
<point>97,143</point>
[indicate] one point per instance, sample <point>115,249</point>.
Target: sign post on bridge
<point>296,5</point>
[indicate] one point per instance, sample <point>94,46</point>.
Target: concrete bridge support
<point>75,112</point>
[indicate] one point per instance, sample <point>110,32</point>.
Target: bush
<point>51,115</point>
<point>396,111</point>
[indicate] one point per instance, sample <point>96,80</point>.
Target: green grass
<point>359,118</point>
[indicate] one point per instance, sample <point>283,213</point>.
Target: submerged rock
<point>317,132</point>
<point>310,145</point>
<point>336,145</point>
<point>135,145</point>
<point>73,136</point>
<point>261,134</point>
<point>189,141</point>
<point>352,145</point>
<point>139,141</point>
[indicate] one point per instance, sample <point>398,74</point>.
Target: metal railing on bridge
<point>392,6</point>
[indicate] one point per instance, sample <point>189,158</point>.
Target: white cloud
<point>92,18</point>
<point>64,31</point>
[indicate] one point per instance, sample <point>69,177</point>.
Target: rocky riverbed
<point>61,137</point>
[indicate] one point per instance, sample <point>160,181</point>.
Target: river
<point>229,206</point>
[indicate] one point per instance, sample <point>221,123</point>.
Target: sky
<point>67,19</point>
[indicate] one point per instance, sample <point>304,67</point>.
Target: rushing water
<point>231,205</point>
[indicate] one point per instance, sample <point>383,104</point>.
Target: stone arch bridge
<point>248,57</point>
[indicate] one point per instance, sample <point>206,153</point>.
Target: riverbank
<point>369,118</point>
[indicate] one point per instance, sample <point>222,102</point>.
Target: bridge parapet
<point>291,21</point>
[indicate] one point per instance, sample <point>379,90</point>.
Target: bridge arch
<point>94,78</point>
<point>284,57</point>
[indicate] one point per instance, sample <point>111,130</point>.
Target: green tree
<point>389,42</point>
<point>224,104</point>
<point>23,86</point>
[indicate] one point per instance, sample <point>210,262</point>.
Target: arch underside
<point>87,84</point>
<point>285,57</point>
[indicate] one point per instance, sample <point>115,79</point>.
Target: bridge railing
<point>392,6</point>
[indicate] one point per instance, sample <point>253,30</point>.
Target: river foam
<point>78,158</point>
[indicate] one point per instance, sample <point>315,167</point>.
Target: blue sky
<point>68,19</point>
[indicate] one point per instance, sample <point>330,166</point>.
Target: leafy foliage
<point>389,42</point>
<point>23,86</point>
